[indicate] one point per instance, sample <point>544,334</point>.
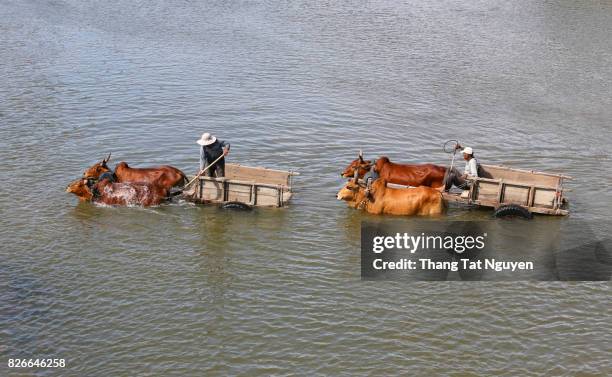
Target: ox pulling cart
<point>514,191</point>
<point>243,185</point>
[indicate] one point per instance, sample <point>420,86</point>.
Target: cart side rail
<point>258,174</point>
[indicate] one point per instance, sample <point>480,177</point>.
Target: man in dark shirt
<point>210,150</point>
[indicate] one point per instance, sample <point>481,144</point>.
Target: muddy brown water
<point>187,290</point>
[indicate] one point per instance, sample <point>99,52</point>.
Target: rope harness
<point>367,196</point>
<point>363,203</point>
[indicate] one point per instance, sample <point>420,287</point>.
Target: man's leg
<point>453,177</point>
<point>462,183</point>
<point>449,178</point>
<point>220,168</point>
<point>210,172</point>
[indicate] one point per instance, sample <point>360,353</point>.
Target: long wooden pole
<point>203,170</point>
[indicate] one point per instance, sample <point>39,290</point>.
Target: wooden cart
<point>499,186</point>
<point>250,186</point>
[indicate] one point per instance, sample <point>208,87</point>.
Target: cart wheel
<point>237,205</point>
<point>512,210</point>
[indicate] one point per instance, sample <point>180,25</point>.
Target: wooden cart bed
<point>538,192</point>
<point>254,186</point>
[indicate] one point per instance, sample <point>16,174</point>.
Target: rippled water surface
<point>187,290</point>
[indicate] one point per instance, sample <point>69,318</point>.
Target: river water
<point>187,290</point>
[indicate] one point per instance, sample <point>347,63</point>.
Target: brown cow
<point>166,176</point>
<point>402,174</point>
<point>380,199</point>
<point>359,165</point>
<point>118,194</point>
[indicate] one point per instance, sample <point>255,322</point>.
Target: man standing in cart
<point>470,171</point>
<point>213,151</point>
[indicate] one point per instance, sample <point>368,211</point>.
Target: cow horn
<point>107,159</point>
<point>360,155</point>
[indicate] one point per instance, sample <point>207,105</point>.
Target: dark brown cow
<point>402,174</point>
<point>360,165</point>
<point>165,176</point>
<point>118,194</point>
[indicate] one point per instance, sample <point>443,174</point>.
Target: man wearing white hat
<point>470,170</point>
<point>212,149</point>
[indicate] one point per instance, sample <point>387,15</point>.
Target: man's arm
<point>473,168</point>
<point>202,159</point>
<point>466,170</point>
<point>226,148</point>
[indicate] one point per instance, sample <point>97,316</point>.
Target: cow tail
<point>185,179</point>
<point>443,203</point>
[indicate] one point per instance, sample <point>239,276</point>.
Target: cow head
<point>358,165</point>
<point>352,191</point>
<point>80,188</point>
<point>95,171</point>
<point>348,192</point>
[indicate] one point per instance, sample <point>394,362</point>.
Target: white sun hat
<point>467,150</point>
<point>206,139</point>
